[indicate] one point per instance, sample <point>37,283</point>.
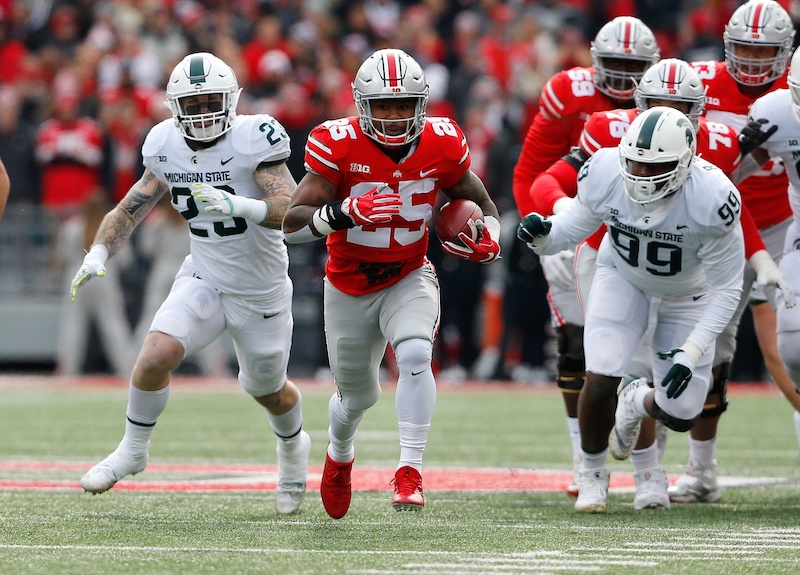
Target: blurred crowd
<point>83,81</point>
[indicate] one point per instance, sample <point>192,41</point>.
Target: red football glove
<point>374,207</point>
<point>485,250</point>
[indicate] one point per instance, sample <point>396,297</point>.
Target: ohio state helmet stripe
<point>392,69</point>
<point>197,71</point>
<point>627,36</point>
<point>755,23</point>
<point>672,76</point>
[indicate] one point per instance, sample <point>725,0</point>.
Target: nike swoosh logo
<point>417,373</point>
<point>682,227</point>
<point>697,297</point>
<point>424,173</point>
<point>223,162</point>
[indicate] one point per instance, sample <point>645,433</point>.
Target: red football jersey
<point>716,142</point>
<point>368,258</point>
<point>765,191</point>
<point>567,101</point>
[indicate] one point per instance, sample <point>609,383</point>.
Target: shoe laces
<point>336,474</point>
<point>407,481</point>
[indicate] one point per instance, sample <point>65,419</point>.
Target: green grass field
<point>55,430</point>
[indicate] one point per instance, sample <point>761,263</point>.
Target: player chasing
<point>622,51</point>
<point>236,276</point>
<point>370,188</point>
<point>673,256</point>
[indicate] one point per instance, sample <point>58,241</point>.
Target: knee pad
<point>714,407</point>
<point>674,423</point>
<point>570,349</point>
<point>263,376</point>
<point>413,355</point>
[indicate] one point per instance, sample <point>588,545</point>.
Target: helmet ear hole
<point>665,140</point>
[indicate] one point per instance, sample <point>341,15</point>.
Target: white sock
<point>144,409</point>
<point>703,452</point>
<point>287,426</point>
<point>342,430</point>
<point>412,443</point>
<point>594,461</point>
<point>645,458</point>
<point>574,436</point>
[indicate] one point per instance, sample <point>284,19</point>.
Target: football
<point>458,216</point>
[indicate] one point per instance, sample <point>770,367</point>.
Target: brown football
<point>458,216</point>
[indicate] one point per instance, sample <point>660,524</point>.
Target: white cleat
<point>592,493</point>
<point>651,489</point>
<point>292,475</point>
<point>697,485</point>
<point>626,422</point>
<point>105,474</point>
<point>573,488</point>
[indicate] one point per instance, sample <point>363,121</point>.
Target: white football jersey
<point>776,108</point>
<point>688,244</point>
<point>236,256</point>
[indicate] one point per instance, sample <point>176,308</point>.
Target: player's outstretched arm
<point>117,227</point>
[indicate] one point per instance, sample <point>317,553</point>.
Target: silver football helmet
<point>674,80</point>
<point>794,83</point>
<point>662,137</point>
<point>390,73</point>
<point>623,38</point>
<point>203,74</point>
<point>758,23</point>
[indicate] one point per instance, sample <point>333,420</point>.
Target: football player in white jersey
<point>774,125</point>
<point>673,255</point>
<point>227,175</point>
<point>370,188</point>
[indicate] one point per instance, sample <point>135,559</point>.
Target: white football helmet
<point>623,38</point>
<point>390,73</point>
<point>658,136</point>
<point>674,80</point>
<point>794,83</point>
<point>202,74</point>
<point>759,23</point>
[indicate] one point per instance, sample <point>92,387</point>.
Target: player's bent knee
<point>716,402</point>
<point>413,355</point>
<point>160,353</point>
<point>264,375</point>
<point>673,423</point>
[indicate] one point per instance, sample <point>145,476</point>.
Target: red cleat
<point>335,488</point>
<point>407,490</point>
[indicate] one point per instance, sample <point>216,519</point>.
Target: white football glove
<point>221,202</point>
<point>768,274</point>
<point>559,269</point>
<point>93,265</point>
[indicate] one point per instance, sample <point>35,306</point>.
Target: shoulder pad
<point>262,137</point>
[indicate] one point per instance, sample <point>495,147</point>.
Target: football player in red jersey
<point>758,43</point>
<point>622,51</point>
<point>673,83</point>
<point>370,188</point>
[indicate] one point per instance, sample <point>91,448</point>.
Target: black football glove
<point>679,374</point>
<point>533,229</point>
<point>751,136</point>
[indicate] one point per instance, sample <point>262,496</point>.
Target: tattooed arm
<point>277,183</point>
<point>118,224</point>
